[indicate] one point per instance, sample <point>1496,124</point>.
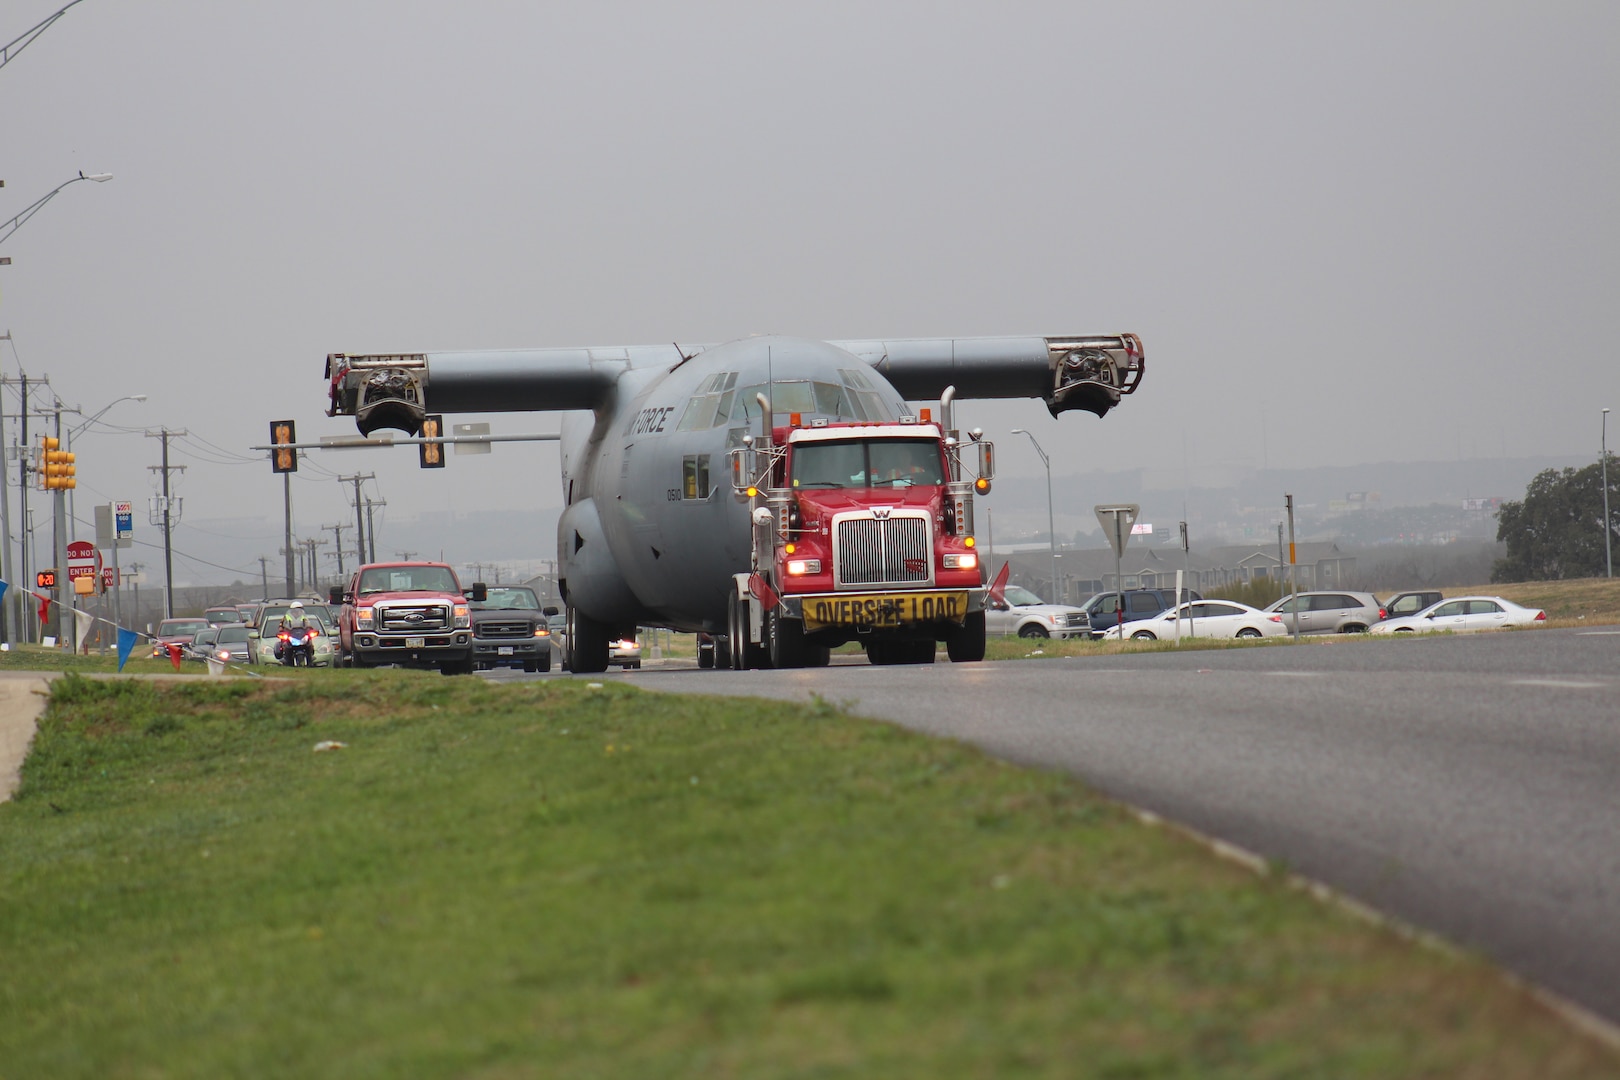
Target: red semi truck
<point>862,532</point>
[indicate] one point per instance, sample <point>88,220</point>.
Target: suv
<point>509,629</point>
<point>1329,612</point>
<point>1139,604</point>
<point>1410,603</point>
<point>1023,613</point>
<point>413,614</point>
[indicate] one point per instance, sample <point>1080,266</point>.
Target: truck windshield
<point>845,463</point>
<point>408,579</point>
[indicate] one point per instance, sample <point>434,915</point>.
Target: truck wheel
<point>817,656</point>
<point>965,643</point>
<point>786,636</point>
<point>706,657</point>
<point>587,643</point>
<point>744,653</point>
<point>1032,630</point>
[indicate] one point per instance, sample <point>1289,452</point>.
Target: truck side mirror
<point>335,595</point>
<point>479,593</point>
<point>548,611</point>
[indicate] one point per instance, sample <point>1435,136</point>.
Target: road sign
<point>124,513</point>
<point>109,578</point>
<point>82,560</point>
<point>1116,522</point>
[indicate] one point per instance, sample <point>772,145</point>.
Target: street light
<point>1608,556</point>
<point>67,442</point>
<point>38,204</point>
<point>1051,529</point>
<point>26,38</point>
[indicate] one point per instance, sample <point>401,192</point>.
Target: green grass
<point>541,879</point>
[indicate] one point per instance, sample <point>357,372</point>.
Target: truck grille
<point>892,550</point>
<point>511,628</point>
<point>412,618</point>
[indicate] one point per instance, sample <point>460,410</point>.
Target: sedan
<point>626,652</point>
<point>1465,615</point>
<point>1208,619</point>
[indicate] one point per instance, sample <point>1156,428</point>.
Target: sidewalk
<point>22,700</point>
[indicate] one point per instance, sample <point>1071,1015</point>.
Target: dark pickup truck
<point>1139,604</point>
<point>510,629</point>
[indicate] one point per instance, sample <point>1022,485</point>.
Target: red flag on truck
<point>763,592</point>
<point>999,586</point>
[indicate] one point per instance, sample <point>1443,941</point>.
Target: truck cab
<point>862,532</point>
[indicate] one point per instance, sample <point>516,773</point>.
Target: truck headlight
<point>541,631</point>
<point>362,618</point>
<point>967,560</point>
<point>463,616</point>
<point>801,567</point>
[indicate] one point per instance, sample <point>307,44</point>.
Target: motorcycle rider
<point>294,618</point>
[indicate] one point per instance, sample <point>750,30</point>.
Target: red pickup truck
<point>410,614</point>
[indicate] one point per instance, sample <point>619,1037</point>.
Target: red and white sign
<point>83,560</point>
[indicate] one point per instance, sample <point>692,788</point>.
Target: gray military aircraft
<point>686,501</point>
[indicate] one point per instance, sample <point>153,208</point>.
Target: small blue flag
<point>3,587</point>
<point>126,642</point>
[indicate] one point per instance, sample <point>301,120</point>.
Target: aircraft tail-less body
<point>651,534</point>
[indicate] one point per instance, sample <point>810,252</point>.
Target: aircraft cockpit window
<point>711,405</point>
<point>866,463</point>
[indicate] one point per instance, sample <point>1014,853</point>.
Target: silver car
<point>1330,612</point>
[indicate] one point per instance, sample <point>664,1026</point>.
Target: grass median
<point>547,878</point>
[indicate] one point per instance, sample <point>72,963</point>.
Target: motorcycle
<point>295,646</point>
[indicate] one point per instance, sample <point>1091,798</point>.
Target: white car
<point>1208,619</point>
<point>1464,615</point>
<point>1023,613</point>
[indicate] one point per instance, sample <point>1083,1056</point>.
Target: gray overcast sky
<point>1348,232</point>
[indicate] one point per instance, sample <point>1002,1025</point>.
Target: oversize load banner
<point>880,610</point>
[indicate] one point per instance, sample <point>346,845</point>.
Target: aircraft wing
<point>1088,372</point>
<point>391,390</point>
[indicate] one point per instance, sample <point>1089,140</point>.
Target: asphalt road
<point>1467,785</point>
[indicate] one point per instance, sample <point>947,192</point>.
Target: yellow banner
<point>884,609</point>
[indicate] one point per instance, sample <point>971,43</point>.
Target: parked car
<point>1023,613</point>
<point>1329,612</point>
<point>510,630</point>
<point>219,616</point>
<point>1208,619</point>
<point>1101,614</point>
<point>175,632</point>
<point>1410,603</point>
<point>1465,615</point>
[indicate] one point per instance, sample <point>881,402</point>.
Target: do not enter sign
<point>83,560</point>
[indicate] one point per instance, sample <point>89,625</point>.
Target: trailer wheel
<point>965,643</point>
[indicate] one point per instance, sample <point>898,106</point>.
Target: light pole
<point>1051,529</point>
<point>1608,555</point>
<point>39,204</point>
<point>67,442</point>
<point>26,38</point>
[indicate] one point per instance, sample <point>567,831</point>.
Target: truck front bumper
<point>427,650</point>
<point>883,610</point>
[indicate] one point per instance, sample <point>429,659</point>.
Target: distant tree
<point>1557,530</point>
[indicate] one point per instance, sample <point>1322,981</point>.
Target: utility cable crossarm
<point>26,38</point>
<point>38,204</point>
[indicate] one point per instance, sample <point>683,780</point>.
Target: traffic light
<point>283,459</point>
<point>45,579</point>
<point>432,453</point>
<point>55,466</point>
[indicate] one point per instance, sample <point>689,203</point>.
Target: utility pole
<point>8,566</point>
<point>314,571</point>
<point>67,629</point>
<point>169,518</point>
<point>287,548</point>
<point>359,512</point>
<point>405,556</point>
<point>371,528</point>
<point>1293,565</point>
<point>135,583</point>
<point>337,542</point>
<point>264,575</point>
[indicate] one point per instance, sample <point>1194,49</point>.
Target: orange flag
<point>174,656</point>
